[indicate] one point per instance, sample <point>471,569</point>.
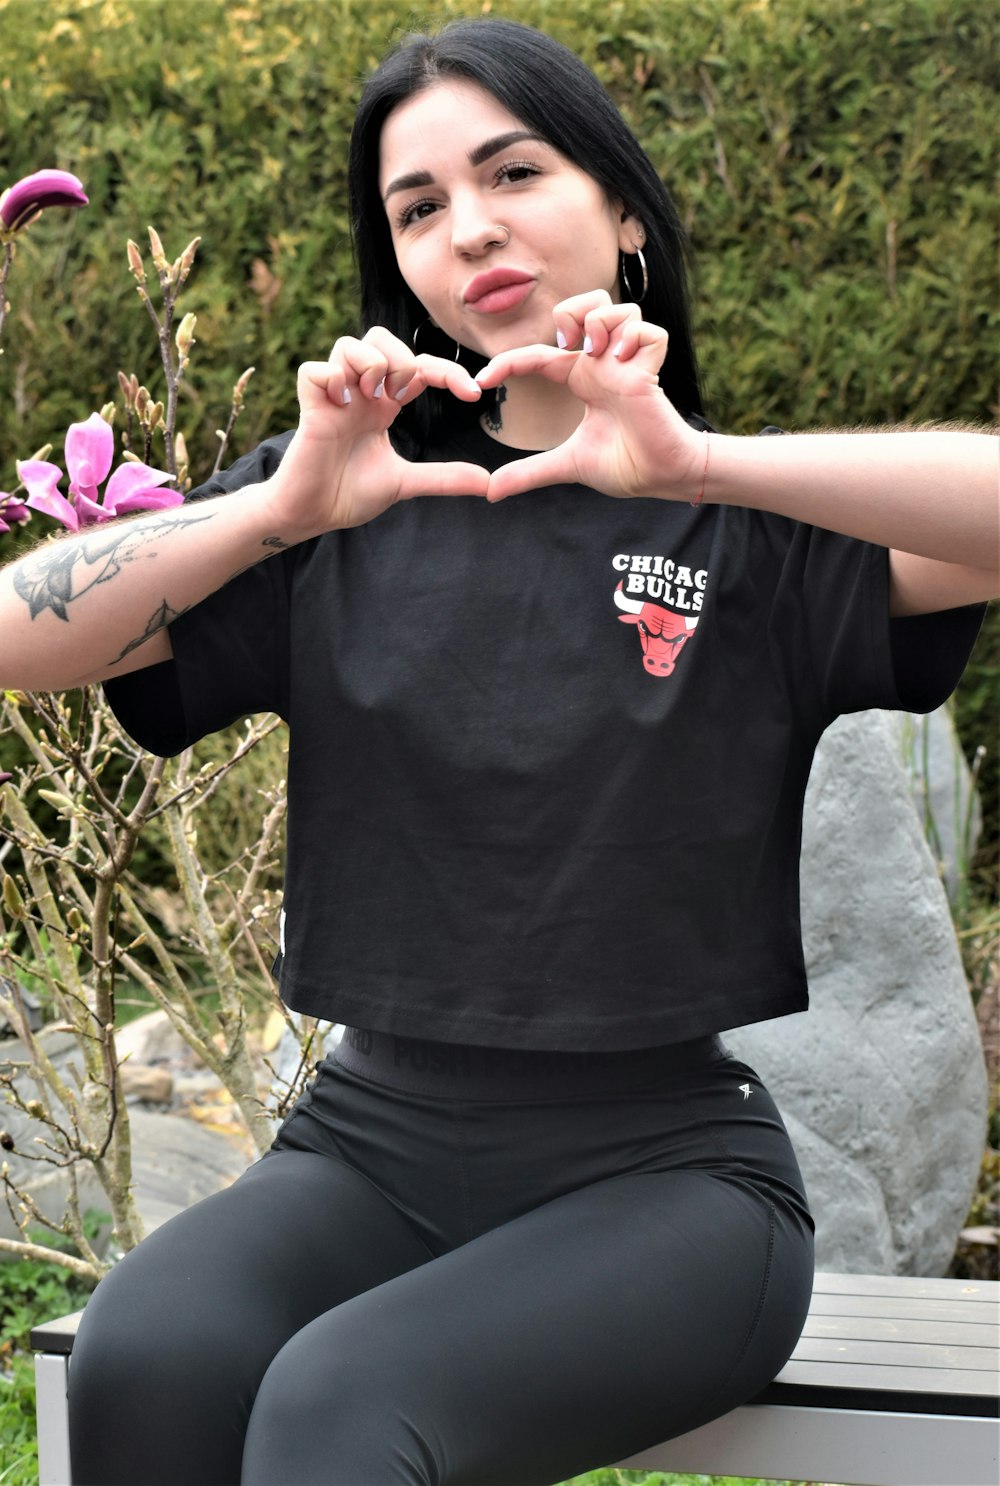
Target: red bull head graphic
<point>662,633</point>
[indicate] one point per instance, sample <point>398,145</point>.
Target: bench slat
<point>971,1312</point>
<point>879,1328</point>
<point>942,1387</point>
<point>905,1354</point>
<point>908,1285</point>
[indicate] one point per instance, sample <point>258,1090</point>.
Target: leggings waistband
<point>466,1071</point>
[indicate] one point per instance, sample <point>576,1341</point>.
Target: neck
<point>535,414</point>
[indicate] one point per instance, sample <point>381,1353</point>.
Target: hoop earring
<point>636,298</point>
<point>430,322</point>
<point>496,242</point>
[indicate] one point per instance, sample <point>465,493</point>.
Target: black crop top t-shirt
<point>547,758</point>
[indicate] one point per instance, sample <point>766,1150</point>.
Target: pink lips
<point>497,290</point>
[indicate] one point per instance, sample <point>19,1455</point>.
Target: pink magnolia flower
<point>13,512</point>
<point>89,451</point>
<point>26,198</point>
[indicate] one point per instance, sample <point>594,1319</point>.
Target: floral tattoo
<point>56,576</point>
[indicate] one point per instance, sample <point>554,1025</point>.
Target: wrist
<point>704,470</point>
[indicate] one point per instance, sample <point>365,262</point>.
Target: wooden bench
<point>894,1382</point>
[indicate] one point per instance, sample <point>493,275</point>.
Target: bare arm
<point>97,603</point>
<point>933,498</point>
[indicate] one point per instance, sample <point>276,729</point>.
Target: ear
<point>631,233</point>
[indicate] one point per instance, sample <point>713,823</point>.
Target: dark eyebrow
<point>499,142</point>
<point>478,156</point>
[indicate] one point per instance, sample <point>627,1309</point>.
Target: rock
<point>286,1060</point>
<point>146,1084</point>
<point>46,1183</point>
<point>941,781</point>
<point>176,1161</point>
<point>152,1039</point>
<point>882,1082</point>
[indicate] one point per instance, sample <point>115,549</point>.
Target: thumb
<point>450,477</point>
<point>551,467</point>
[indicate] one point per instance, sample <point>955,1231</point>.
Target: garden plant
<point>834,166</point>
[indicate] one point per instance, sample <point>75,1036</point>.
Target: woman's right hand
<point>340,469</point>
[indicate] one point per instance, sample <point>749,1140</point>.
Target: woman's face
<point>456,170</point>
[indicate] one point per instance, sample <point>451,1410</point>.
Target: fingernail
<point>402,392</point>
<point>560,340</point>
<point>588,345</point>
<point>379,389</point>
<point>618,349</point>
<point>347,395</point>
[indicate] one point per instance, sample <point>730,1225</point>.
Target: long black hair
<point>550,90</point>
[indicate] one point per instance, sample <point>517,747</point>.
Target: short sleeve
<point>829,627</point>
<point>929,654</point>
<point>230,652</point>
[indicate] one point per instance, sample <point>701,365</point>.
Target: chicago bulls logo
<point>662,633</point>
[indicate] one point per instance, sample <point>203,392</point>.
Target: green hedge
<point>833,161</point>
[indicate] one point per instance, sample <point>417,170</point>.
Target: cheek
<point>416,273</point>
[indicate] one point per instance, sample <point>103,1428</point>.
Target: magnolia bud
<point>159,256</point>
<point>108,413</point>
<point>12,900</point>
<point>135,262</point>
<point>187,258</point>
<point>43,452</point>
<point>155,416</point>
<point>240,389</point>
<point>180,451</point>
<point>142,401</point>
<point>185,334</point>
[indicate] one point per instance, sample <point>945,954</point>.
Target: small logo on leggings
<point>746,1091</point>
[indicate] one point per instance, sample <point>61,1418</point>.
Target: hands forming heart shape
<point>342,470</point>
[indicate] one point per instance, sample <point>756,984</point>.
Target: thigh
<point>602,1322</point>
<point>176,1338</point>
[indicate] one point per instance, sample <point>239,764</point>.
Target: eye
<point>415,211</point>
<point>515,171</point>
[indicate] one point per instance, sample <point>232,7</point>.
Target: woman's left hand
<point>631,440</point>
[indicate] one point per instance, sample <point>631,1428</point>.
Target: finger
<point>527,361</point>
<point>552,467</point>
<point>319,382</point>
<point>570,314</point>
<point>363,363</point>
<point>433,371</point>
<point>603,326</point>
<point>451,477</point>
<point>400,359</point>
<point>640,337</point>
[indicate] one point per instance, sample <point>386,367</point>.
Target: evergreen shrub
<point>833,161</point>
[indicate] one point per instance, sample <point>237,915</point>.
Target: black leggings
<point>457,1265</point>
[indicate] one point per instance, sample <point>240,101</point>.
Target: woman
<point>547,764</point>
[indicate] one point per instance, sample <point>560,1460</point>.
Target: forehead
<point>439,124</point>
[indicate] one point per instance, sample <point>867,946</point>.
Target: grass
<point>611,1476</point>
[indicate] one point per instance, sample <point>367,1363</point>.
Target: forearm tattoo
<point>159,619</point>
<point>55,577</point>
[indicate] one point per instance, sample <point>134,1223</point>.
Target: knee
<point>337,1407</point>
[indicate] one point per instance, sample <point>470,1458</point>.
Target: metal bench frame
<point>894,1382</point>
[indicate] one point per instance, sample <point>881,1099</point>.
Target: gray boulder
<point>882,1083</point>
<point>175,1160</point>
<point>942,786</point>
